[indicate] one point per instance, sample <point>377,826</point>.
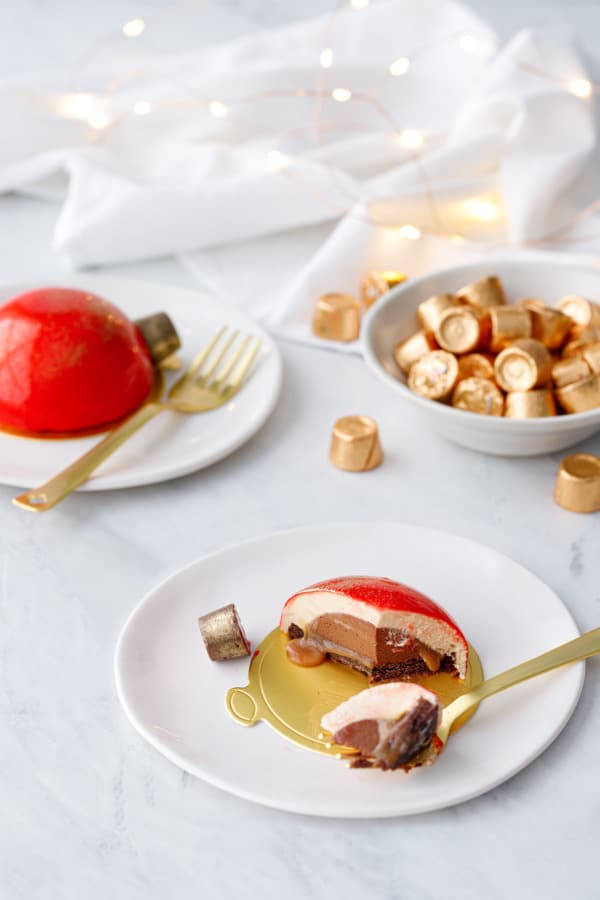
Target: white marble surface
<point>88,809</point>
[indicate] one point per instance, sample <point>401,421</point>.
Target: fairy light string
<point>95,110</point>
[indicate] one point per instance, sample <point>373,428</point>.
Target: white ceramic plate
<point>175,696</point>
<point>173,444</point>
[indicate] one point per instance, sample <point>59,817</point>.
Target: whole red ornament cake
<point>69,361</point>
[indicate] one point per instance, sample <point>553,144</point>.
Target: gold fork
<point>213,377</point>
<point>573,651</point>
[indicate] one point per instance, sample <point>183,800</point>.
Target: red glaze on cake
<point>378,626</point>
<point>69,361</point>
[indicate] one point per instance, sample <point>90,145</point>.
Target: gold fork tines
<point>211,379</point>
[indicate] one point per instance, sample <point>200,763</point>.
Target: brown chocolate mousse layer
<point>381,653</point>
<point>390,745</point>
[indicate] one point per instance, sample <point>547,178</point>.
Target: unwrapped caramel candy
<point>223,634</point>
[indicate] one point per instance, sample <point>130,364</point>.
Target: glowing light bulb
<point>99,120</point>
<point>326,58</point>
<point>342,95</point>
<point>276,160</point>
<point>411,138</point>
<point>482,209</point>
<point>218,109</point>
<point>142,108</point>
<point>581,87</point>
<point>134,27</point>
<point>400,66</point>
<point>411,232</point>
<point>75,106</point>
<point>359,4</point>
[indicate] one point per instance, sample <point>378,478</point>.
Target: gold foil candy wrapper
<point>526,364</point>
<point>478,395</point>
<point>570,370</point>
<point>430,311</point>
<point>355,444</point>
<point>337,317</point>
<point>460,329</point>
<point>530,404</point>
<point>508,324</point>
<point>581,396</point>
<point>550,326</point>
<point>160,336</point>
<point>485,293</point>
<point>475,365</point>
<point>223,634</point>
<point>577,486</point>
<point>582,311</point>
<point>591,356</point>
<point>408,352</point>
<point>375,284</point>
<point>434,375</point>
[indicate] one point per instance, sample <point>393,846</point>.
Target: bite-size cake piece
<point>389,724</point>
<point>375,625</point>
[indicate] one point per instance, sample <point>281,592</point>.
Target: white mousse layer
<point>434,633</point>
<point>388,701</point>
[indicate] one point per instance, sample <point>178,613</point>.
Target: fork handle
<point>60,486</point>
<point>573,651</point>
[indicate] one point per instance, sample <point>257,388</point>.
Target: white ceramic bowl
<point>393,318</point>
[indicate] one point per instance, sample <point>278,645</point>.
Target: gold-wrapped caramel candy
<point>582,311</point>
<point>581,396</point>
<point>337,317</point>
<point>434,375</point>
<point>375,284</point>
<point>409,351</point>
<point>550,326</point>
<point>475,365</point>
<point>223,634</point>
<point>530,404</point>
<point>478,395</point>
<point>486,292</point>
<point>524,365</point>
<point>160,336</point>
<point>355,444</point>
<point>429,311</point>
<point>460,329</point>
<point>591,355</point>
<point>508,324</point>
<point>577,486</point>
<point>567,371</point>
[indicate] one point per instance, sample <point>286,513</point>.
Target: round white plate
<point>173,444</point>
<point>175,696</point>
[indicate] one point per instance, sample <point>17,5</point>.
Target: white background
<point>88,809</point>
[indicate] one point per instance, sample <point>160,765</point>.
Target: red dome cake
<point>69,361</point>
<point>378,626</point>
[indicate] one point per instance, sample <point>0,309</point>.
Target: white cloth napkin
<point>290,193</point>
